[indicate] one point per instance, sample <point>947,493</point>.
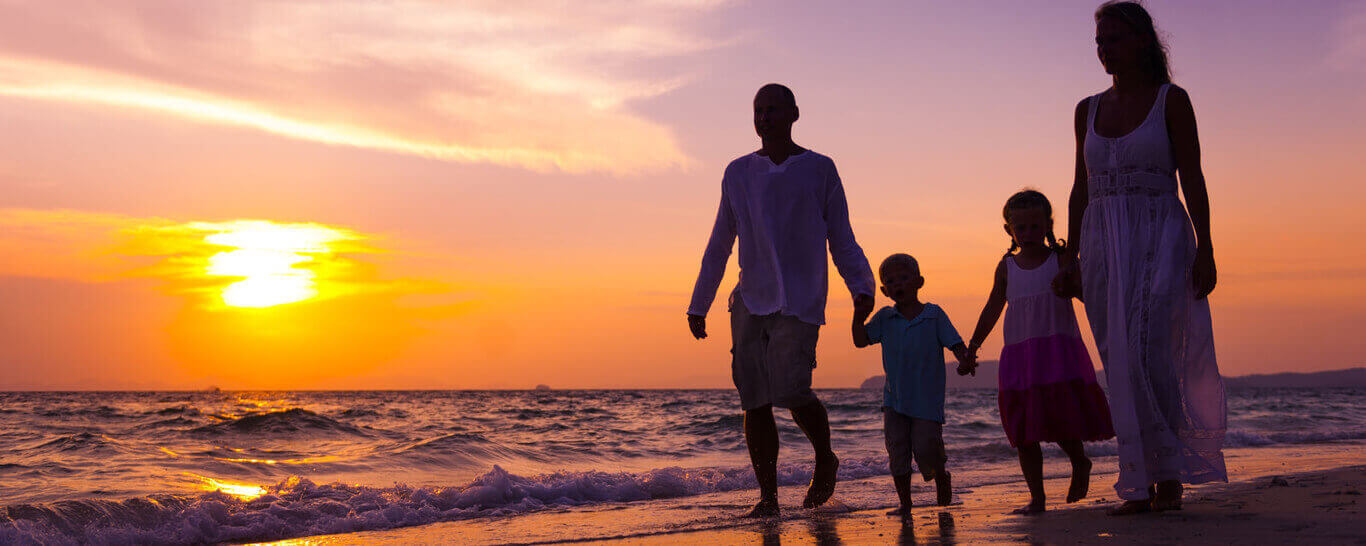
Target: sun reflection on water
<point>242,490</point>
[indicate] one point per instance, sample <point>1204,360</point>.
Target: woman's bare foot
<point>1168,496</point>
<point>1034,507</point>
<point>903,511</point>
<point>1081,481</point>
<point>943,484</point>
<point>822,481</point>
<point>1131,507</point>
<point>767,508</point>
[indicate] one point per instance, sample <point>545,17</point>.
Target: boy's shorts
<point>912,436</point>
<point>771,358</point>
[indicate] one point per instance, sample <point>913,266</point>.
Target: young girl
<point>1048,385</point>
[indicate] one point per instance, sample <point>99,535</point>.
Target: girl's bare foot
<point>1034,507</point>
<point>1168,496</point>
<point>1131,507</point>
<point>903,511</point>
<point>1081,481</point>
<point>767,508</point>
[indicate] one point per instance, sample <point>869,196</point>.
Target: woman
<point>1144,272</point>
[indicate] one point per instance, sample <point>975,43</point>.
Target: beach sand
<point>1277,495</point>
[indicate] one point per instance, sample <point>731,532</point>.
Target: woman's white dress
<point>1155,339</point>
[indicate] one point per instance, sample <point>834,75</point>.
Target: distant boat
<point>542,387</point>
<point>212,388</point>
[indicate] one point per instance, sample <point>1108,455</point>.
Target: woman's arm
<point>1066,283</point>
<point>991,312</point>
<point>1185,143</point>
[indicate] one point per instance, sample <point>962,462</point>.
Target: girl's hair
<point>1031,199</point>
<point>1138,19</point>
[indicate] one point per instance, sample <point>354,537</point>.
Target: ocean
<point>196,467</point>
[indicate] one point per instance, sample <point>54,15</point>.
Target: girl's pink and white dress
<point>1048,384</point>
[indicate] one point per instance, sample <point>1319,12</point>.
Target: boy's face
<point>1029,226</point>
<point>901,282</point>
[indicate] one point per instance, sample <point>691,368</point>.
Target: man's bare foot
<point>1034,507</point>
<point>822,481</point>
<point>943,484</point>
<point>767,508</point>
<point>1168,496</point>
<point>1129,508</point>
<point>903,511</point>
<point>1081,481</point>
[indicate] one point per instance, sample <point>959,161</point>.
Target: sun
<point>271,259</point>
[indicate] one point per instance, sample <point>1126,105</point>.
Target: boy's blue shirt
<point>913,358</point>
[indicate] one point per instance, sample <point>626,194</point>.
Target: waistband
<point>1130,181</point>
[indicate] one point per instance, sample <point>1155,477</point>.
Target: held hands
<point>968,366</point>
<point>698,326</point>
<point>1067,283</point>
<point>863,306</point>
<point>1203,273</point>
<point>967,361</point>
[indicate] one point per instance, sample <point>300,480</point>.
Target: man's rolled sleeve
<point>844,249</point>
<point>714,259</point>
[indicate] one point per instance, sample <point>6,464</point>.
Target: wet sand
<point>1278,495</point>
<point>1322,507</point>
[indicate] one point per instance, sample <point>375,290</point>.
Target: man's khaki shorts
<point>772,358</point>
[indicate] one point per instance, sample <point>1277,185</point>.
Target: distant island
<point>1350,377</point>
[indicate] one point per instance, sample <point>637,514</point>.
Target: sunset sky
<point>409,194</point>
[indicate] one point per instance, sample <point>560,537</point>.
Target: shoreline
<point>1284,494</point>
<point>1313,507</point>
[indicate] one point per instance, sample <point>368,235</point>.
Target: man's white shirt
<point>784,216</point>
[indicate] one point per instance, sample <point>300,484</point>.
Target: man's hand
<point>863,306</point>
<point>698,325</point>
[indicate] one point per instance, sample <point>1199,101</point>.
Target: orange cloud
<point>241,263</point>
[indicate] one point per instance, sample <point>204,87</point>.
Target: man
<point>784,203</point>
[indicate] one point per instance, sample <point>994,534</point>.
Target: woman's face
<point>1117,45</point>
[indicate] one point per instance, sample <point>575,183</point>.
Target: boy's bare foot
<point>767,508</point>
<point>943,484</point>
<point>903,511</point>
<point>822,481</point>
<point>1129,508</point>
<point>1168,496</point>
<point>1034,507</point>
<point>1081,481</point>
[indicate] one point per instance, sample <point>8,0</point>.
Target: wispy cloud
<point>1348,40</point>
<point>542,86</point>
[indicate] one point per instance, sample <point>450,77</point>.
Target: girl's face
<point>1029,226</point>
<point>1117,45</point>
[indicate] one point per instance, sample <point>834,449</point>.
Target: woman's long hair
<point>1138,19</point>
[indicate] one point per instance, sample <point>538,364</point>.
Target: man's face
<point>774,113</point>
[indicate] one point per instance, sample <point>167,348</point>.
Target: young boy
<point>913,336</point>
